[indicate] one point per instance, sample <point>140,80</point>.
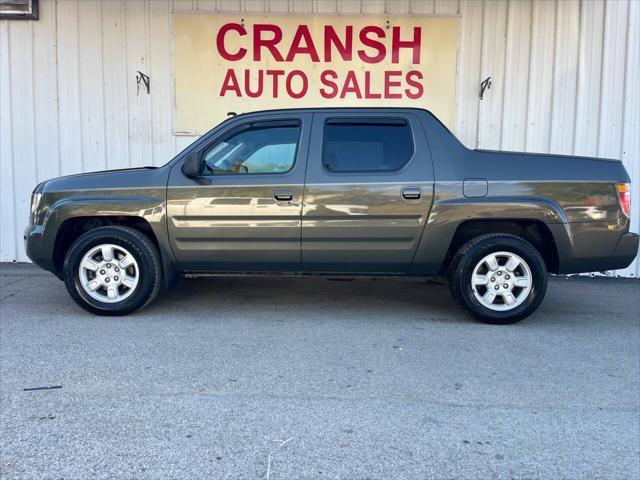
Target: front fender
<point>42,240</point>
<point>151,208</point>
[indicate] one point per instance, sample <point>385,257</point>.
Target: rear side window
<point>363,145</point>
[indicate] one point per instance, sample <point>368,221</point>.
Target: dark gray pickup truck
<point>382,191</point>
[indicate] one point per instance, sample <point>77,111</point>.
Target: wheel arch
<point>73,227</point>
<point>535,232</point>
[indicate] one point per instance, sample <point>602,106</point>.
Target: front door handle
<point>283,195</point>
<point>411,193</point>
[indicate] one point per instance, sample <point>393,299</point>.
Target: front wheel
<point>498,278</point>
<point>112,271</point>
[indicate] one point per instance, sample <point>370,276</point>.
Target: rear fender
<point>448,214</point>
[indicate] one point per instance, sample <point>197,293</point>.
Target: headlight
<point>35,201</point>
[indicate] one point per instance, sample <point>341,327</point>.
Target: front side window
<point>363,145</point>
<point>258,148</point>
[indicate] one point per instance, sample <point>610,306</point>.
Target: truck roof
<point>332,109</point>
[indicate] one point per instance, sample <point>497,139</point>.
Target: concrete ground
<point>361,379</point>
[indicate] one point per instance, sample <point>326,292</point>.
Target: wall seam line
<point>79,92</point>
<point>172,80</point>
<point>600,97</point>
<point>553,77</point>
<point>574,134</point>
<point>151,126</point>
<point>33,103</point>
<point>59,169</point>
<point>527,106</point>
<point>504,71</point>
<point>104,98</point>
<point>13,143</point>
<point>624,110</point>
<point>624,83</point>
<point>477,100</point>
<point>123,20</point>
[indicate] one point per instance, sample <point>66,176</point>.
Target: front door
<point>244,212</point>
<point>368,192</point>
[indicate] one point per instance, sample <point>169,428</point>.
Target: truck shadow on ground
<point>568,300</point>
<point>315,296</point>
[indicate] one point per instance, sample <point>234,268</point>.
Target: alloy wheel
<point>501,281</point>
<point>109,273</point>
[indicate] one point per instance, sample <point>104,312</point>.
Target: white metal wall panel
<point>137,48</point>
<point>631,129</point>
<point>613,78</point>
<point>540,97</point>
<point>301,6</point>
<point>399,7</point>
<point>115,85</point>
<point>494,32</point>
<point>565,76</point>
<point>427,7</point>
<point>91,85</point>
<point>206,4</point>
<point>349,7</point>
<point>164,146</point>
<point>446,7</point>
<point>589,76</point>
<point>45,95</point>
<point>68,99</point>
<point>187,5</point>
<point>8,193</point>
<point>514,108</point>
<point>274,6</point>
<point>68,80</point>
<point>22,121</point>
<point>370,6</point>
<point>469,61</point>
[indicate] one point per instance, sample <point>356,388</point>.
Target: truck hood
<point>125,178</point>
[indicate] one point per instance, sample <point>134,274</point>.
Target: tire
<point>512,297</point>
<point>124,285</point>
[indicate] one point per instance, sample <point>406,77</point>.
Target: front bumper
<point>39,248</point>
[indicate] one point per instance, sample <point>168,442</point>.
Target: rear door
<point>368,191</point>
<point>244,212</point>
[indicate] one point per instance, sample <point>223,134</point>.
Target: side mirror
<point>192,164</point>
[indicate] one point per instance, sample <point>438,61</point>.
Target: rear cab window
<point>366,144</point>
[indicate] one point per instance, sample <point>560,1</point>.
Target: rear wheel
<point>112,271</point>
<point>498,278</point>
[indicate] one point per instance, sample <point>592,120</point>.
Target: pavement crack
<point>282,444</point>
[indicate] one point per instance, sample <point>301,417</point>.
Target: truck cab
<point>330,192</point>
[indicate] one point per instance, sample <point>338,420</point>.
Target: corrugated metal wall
<point>566,77</point>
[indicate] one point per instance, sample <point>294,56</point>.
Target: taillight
<point>624,195</point>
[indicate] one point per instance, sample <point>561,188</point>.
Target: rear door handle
<point>283,195</point>
<point>411,193</point>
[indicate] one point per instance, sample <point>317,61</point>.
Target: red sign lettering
<point>370,44</point>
